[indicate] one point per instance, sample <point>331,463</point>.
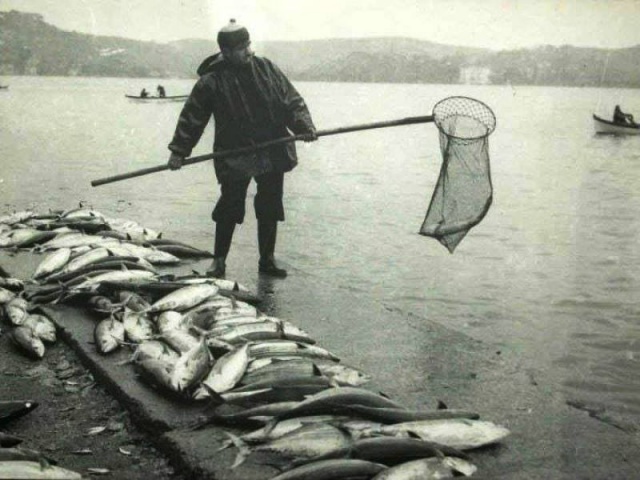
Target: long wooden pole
<point>253,148</point>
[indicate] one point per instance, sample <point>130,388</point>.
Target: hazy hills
<point>30,46</point>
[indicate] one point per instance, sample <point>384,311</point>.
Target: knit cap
<point>232,35</point>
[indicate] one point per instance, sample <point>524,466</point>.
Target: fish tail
<point>270,425</point>
<point>243,449</point>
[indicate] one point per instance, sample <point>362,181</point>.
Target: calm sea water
<point>553,271</point>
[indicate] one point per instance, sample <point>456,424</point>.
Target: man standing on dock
<point>251,102</point>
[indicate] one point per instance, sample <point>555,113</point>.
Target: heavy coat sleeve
<point>298,116</point>
<point>194,117</point>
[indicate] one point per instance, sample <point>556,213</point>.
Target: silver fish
<point>137,326</point>
<point>227,371</point>
<point>180,340</point>
<point>114,276</point>
<point>28,342</point>
<point>52,263</point>
<point>275,348</point>
<point>85,259</point>
<point>306,443</point>
<point>428,469</point>
<point>109,335</point>
<point>171,320</point>
<point>191,367</point>
<point>460,433</point>
<point>340,468</point>
<point>184,298</point>
<point>41,326</point>
<point>6,296</point>
<point>16,310</point>
<point>158,371</point>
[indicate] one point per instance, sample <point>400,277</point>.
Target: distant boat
<point>608,127</point>
<point>4,87</point>
<point>150,99</point>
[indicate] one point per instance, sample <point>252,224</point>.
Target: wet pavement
<point>411,358</point>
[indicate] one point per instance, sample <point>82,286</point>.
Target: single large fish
<point>226,372</point>
<point>85,259</point>
<point>158,372</point>
<point>73,240</point>
<point>308,442</point>
<point>115,276</point>
<point>171,320</point>
<point>276,348</point>
<point>52,263</point>
<point>184,298</point>
<point>6,296</point>
<point>109,334</point>
<point>262,435</point>
<point>463,434</point>
<point>180,340</point>
<point>396,450</point>
<point>331,401</point>
<point>24,338</point>
<point>16,310</point>
<point>266,329</point>
<point>429,469</point>
<point>41,326</point>
<point>24,237</point>
<point>137,325</point>
<point>191,367</point>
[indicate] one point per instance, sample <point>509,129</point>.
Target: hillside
<point>30,46</point>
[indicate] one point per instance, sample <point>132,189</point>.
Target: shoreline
<point>549,439</point>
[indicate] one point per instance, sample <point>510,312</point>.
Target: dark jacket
<point>250,104</point>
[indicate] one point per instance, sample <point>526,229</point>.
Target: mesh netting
<point>463,192</point>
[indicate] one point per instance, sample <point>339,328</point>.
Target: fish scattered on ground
<point>197,338</point>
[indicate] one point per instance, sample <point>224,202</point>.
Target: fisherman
<point>620,117</point>
<point>161,91</point>
<point>144,93</point>
<point>252,102</point>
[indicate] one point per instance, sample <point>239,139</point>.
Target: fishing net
<point>463,193</point>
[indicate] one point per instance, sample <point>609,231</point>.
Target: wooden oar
<point>241,151</point>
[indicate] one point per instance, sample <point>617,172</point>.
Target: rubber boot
<point>224,235</point>
<point>267,233</point>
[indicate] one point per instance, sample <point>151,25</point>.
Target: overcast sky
<point>496,24</point>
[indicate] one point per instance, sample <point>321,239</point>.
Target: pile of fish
<point>195,339</point>
<point>19,462</point>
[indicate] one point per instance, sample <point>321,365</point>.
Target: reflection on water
<point>552,272</point>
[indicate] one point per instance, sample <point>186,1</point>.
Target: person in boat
<point>161,91</point>
<point>144,93</point>
<point>251,101</point>
<point>620,117</point>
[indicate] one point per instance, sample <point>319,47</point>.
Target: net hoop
<point>464,118</point>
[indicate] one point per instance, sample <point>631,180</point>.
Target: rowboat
<point>608,127</point>
<point>156,99</point>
